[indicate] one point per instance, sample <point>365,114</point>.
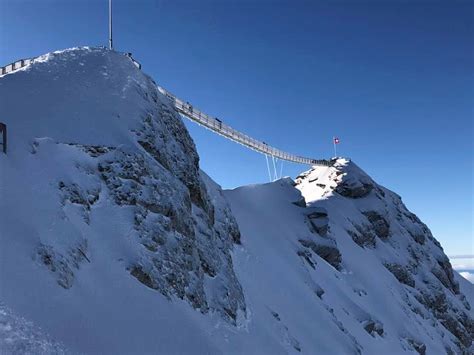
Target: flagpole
<point>110,26</point>
<point>334,143</point>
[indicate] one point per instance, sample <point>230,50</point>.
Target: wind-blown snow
<point>113,241</point>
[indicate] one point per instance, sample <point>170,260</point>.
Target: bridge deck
<point>219,127</point>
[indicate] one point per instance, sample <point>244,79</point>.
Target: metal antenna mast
<point>110,26</point>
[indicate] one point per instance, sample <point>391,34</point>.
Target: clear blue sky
<point>393,79</point>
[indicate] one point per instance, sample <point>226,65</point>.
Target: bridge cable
<point>268,168</point>
<point>274,168</point>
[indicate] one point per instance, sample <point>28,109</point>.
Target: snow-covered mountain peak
<point>113,241</point>
<point>103,206</point>
<point>88,95</point>
<point>344,176</point>
<point>363,216</point>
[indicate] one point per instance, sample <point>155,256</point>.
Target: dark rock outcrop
<point>300,203</point>
<point>330,253</point>
<point>354,188</point>
<point>363,236</point>
<point>409,252</point>
<point>401,273</point>
<point>444,272</point>
<point>62,264</point>
<point>373,327</point>
<point>379,224</point>
<point>184,242</point>
<point>318,220</point>
<point>418,346</point>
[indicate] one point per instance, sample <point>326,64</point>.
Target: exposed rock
<point>434,301</point>
<point>319,221</point>
<point>379,224</point>
<point>134,180</point>
<point>62,265</point>
<point>320,225</point>
<point>418,346</point>
<point>306,255</point>
<point>401,273</point>
<point>317,212</point>
<point>410,253</point>
<point>296,344</point>
<point>364,237</point>
<point>419,238</point>
<point>444,272</point>
<point>373,327</point>
<point>418,228</point>
<point>354,187</point>
<point>276,316</point>
<point>329,253</point>
<point>142,276</point>
<point>458,329</point>
<point>185,235</point>
<point>93,150</point>
<point>180,156</point>
<point>457,322</point>
<point>300,203</point>
<point>74,194</point>
<point>319,291</point>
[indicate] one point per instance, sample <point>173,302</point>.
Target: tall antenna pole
<point>110,26</point>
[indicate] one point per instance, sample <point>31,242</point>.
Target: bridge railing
<point>216,125</point>
<point>15,65</point>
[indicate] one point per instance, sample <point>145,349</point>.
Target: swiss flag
<point>336,140</point>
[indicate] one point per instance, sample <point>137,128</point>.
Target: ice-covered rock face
<point>376,219</point>
<point>111,177</point>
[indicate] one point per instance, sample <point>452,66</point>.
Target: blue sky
<point>393,79</point>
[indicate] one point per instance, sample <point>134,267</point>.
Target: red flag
<point>336,140</point>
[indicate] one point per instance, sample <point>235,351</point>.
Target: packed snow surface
<point>113,241</point>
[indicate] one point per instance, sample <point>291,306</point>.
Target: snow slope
<point>113,241</point>
<point>104,216</point>
<point>325,286</point>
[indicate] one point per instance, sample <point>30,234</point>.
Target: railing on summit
<point>3,131</point>
<point>15,66</point>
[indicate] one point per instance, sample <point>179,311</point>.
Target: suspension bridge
<point>184,108</point>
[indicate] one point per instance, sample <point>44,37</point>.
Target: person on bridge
<point>190,107</point>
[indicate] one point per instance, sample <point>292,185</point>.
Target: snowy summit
<point>113,241</point>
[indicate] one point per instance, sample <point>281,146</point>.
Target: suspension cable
<point>268,168</point>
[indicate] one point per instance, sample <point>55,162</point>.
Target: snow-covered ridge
<point>113,241</point>
<point>100,189</point>
<point>378,222</point>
